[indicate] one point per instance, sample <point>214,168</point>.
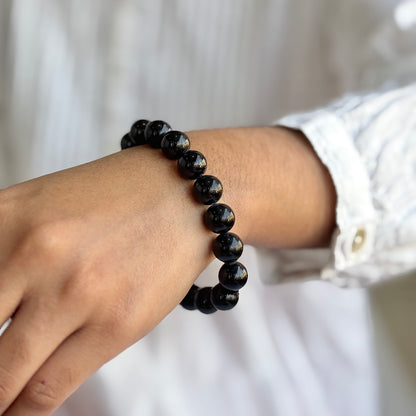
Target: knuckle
<point>119,325</point>
<point>114,325</point>
<point>41,395</point>
<point>79,288</point>
<point>109,327</point>
<point>44,237</point>
<point>42,242</point>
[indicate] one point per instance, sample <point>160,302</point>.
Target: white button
<point>359,240</point>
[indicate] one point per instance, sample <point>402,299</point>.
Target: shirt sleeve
<point>368,144</point>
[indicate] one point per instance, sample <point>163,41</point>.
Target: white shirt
<point>78,73</point>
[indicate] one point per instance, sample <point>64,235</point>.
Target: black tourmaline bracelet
<point>219,218</point>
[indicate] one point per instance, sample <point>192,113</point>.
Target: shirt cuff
<point>353,240</point>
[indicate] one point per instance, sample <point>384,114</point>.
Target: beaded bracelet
<point>218,218</point>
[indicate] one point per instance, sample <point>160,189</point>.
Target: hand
<point>92,258</point>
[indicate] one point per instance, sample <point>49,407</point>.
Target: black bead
<point>155,131</point>
<point>188,302</point>
<point>219,218</point>
<point>203,301</point>
<point>227,247</point>
<point>192,164</point>
<point>222,298</point>
<point>207,189</point>
<point>233,276</point>
<point>174,144</point>
<point>126,142</point>
<point>137,132</point>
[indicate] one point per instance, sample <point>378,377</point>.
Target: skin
<point>80,249</point>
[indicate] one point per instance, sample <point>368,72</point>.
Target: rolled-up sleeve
<point>368,144</point>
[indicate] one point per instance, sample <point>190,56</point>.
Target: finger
<point>37,329</point>
<point>71,364</point>
<point>11,292</point>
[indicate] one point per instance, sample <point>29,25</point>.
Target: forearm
<point>281,193</point>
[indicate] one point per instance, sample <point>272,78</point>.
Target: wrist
<point>282,194</point>
<point>225,161</point>
<point>219,218</point>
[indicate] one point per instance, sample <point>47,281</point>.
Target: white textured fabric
<point>368,144</point>
<point>75,74</point>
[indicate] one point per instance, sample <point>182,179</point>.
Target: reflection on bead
<point>222,298</point>
<point>126,142</point>
<point>155,131</point>
<point>233,276</point>
<point>219,218</point>
<point>207,189</point>
<point>188,302</point>
<point>192,164</point>
<point>137,132</point>
<point>174,144</point>
<point>227,247</point>
<point>203,301</point>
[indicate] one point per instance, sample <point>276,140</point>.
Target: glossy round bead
<point>137,132</point>
<point>222,298</point>
<point>203,300</point>
<point>233,276</point>
<point>175,144</point>
<point>192,164</point>
<point>188,302</point>
<point>219,218</point>
<point>227,247</point>
<point>155,131</point>
<point>207,189</point>
<point>126,142</point>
